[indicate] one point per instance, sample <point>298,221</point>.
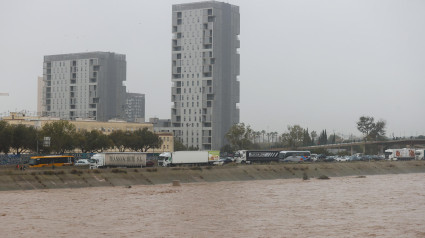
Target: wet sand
<point>375,206</point>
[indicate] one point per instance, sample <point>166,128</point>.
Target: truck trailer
<point>400,154</point>
<point>188,158</point>
<point>260,156</point>
<point>118,159</point>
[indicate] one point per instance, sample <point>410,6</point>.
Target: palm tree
<point>263,132</point>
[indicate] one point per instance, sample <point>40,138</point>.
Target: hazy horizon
<point>318,64</point>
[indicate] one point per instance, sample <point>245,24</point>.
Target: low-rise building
<point>89,125</point>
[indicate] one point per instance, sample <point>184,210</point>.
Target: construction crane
<point>4,94</point>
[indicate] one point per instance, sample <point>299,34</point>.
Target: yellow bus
<point>51,160</point>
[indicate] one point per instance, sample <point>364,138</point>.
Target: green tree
<point>143,140</point>
<point>121,140</point>
<point>178,145</point>
<point>5,137</point>
<point>307,139</point>
<point>92,141</point>
<point>323,138</point>
<point>62,135</point>
<point>371,130</point>
<point>313,136</point>
<point>294,137</point>
<point>227,149</point>
<point>24,138</point>
<point>239,136</point>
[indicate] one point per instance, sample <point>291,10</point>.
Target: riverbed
<point>357,206</point>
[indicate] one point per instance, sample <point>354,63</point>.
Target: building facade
<point>40,94</point>
<point>84,85</point>
<point>135,107</point>
<point>205,66</point>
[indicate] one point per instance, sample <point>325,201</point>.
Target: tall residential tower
<point>84,85</point>
<point>205,66</point>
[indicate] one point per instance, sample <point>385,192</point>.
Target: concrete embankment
<point>75,177</point>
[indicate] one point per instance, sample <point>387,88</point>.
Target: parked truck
<point>188,158</point>
<point>400,154</point>
<point>121,159</point>
<point>251,156</point>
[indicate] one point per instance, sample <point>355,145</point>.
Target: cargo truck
<point>400,154</point>
<point>188,158</point>
<point>260,156</point>
<point>121,159</point>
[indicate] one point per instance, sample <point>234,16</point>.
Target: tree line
<point>241,136</point>
<point>65,138</point>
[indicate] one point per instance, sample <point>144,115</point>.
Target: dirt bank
<point>73,177</point>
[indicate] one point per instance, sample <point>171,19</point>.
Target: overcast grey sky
<point>319,64</point>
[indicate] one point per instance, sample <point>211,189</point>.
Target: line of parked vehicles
<point>177,158</point>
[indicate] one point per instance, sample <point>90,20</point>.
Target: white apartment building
<point>84,85</point>
<point>205,66</point>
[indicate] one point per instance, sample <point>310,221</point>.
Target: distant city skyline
<point>319,64</point>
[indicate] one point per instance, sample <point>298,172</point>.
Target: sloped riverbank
<point>75,177</point>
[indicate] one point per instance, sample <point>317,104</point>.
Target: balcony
<point>206,140</point>
<point>177,70</point>
<point>177,76</point>
<point>210,96</point>
<point>175,98</point>
<point>207,69</point>
<point>176,91</point>
<point>94,62</point>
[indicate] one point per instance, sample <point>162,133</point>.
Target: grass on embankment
<point>77,177</point>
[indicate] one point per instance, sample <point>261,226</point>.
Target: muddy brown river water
<point>375,206</point>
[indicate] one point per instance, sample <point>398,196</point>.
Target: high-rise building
<point>205,66</point>
<point>84,85</point>
<point>40,88</point>
<point>135,107</point>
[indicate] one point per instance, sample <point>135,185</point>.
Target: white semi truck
<point>188,158</point>
<point>118,159</point>
<point>260,156</point>
<point>400,154</point>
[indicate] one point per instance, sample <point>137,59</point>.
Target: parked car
<point>224,160</point>
<point>341,158</point>
<point>150,163</point>
<point>82,162</point>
